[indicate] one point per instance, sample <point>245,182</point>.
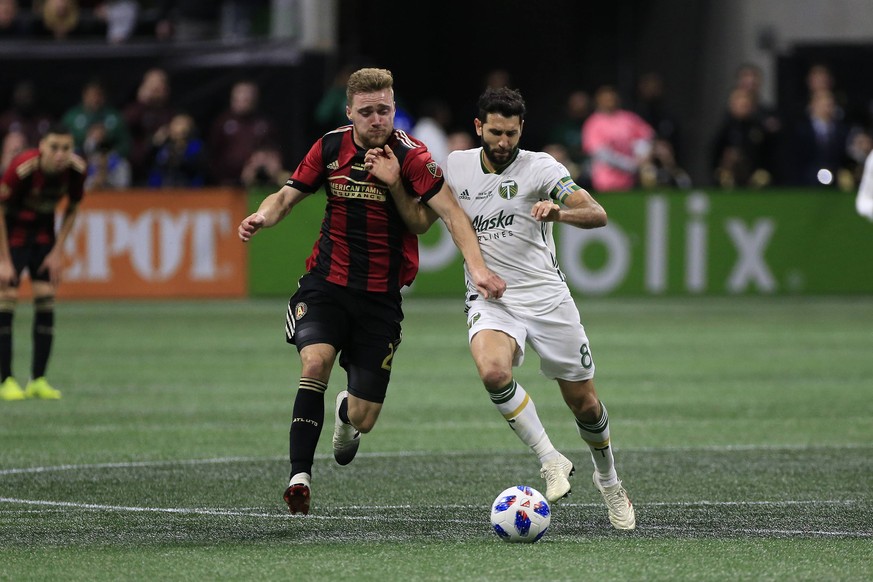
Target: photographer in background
<point>264,168</point>
<point>107,169</point>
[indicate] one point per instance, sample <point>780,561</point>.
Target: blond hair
<point>368,81</point>
<point>60,17</point>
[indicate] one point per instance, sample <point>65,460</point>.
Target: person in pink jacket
<point>617,141</point>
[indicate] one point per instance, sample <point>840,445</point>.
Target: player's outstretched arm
<point>383,164</point>
<point>444,203</point>
<point>274,208</point>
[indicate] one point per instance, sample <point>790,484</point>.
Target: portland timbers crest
<point>508,189</point>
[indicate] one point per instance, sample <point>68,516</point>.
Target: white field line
<point>134,464</point>
<point>253,512</point>
<point>407,519</point>
<point>404,454</point>
<point>371,508</point>
<point>770,531</point>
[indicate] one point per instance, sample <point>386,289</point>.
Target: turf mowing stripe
<point>221,512</point>
<point>398,454</point>
<point>225,513</point>
<point>769,531</point>
<point>13,500</point>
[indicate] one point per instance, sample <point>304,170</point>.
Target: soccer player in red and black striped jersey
<point>30,191</point>
<point>349,302</point>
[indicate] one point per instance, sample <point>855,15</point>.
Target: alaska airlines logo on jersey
<point>465,195</point>
<point>508,189</point>
<point>481,223</point>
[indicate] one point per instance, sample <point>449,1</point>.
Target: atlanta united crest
<point>300,310</point>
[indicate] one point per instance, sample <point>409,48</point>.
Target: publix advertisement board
<point>656,243</point>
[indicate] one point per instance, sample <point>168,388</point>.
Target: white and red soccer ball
<point>520,514</point>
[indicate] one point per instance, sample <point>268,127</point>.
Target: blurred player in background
<point>349,302</point>
<point>513,197</point>
<point>32,187</point>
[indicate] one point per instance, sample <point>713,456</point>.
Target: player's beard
<point>498,159</point>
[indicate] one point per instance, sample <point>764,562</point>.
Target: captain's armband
<point>563,189</point>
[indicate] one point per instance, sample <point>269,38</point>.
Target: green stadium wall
<point>782,242</point>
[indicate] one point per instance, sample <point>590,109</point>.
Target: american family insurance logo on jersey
<point>148,244</point>
<point>358,190</point>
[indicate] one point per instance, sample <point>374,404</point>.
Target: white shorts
<point>557,337</point>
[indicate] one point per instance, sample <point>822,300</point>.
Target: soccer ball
<point>520,514</point>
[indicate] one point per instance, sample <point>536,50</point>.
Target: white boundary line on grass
<point>131,464</point>
<point>228,513</point>
<point>398,454</point>
<point>282,515</point>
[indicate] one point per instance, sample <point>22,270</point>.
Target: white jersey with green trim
<point>515,246</point>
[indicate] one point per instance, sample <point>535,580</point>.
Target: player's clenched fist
<point>250,225</point>
<point>489,283</point>
<point>545,211</point>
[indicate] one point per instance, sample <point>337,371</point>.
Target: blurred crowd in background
<point>608,141</point>
<point>120,21</point>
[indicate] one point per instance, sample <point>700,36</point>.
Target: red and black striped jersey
<point>363,243</point>
<point>30,197</point>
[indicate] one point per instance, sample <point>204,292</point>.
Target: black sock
<point>306,423</point>
<point>43,334</point>
<point>343,411</point>
<point>5,343</point>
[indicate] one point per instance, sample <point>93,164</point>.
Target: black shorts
<point>364,327</point>
<point>30,256</point>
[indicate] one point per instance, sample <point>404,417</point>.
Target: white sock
<point>519,411</point>
<point>597,437</point>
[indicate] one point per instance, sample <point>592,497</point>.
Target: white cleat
<point>557,473</point>
<point>621,510</point>
<point>346,438</point>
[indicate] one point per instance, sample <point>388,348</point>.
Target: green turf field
<point>743,430</point>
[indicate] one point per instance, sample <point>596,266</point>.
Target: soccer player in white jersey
<point>513,197</point>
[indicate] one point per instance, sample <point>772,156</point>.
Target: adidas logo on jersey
<point>464,195</point>
<point>334,165</point>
